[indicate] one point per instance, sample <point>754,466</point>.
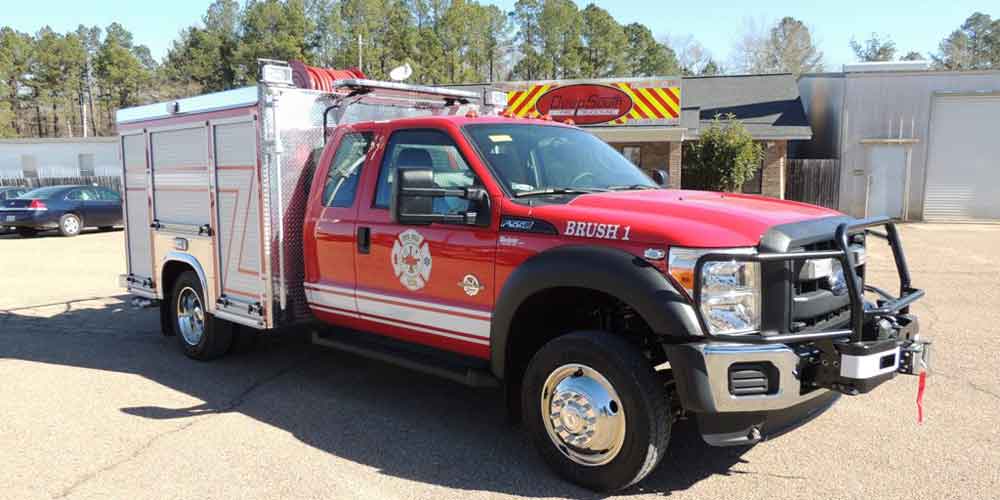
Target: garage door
<point>963,166</point>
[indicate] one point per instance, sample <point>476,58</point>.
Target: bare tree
<point>785,46</point>
<point>692,56</point>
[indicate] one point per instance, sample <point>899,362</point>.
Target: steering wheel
<point>579,177</point>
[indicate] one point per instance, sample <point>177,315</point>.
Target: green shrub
<point>724,157</point>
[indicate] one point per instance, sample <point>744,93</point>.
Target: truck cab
<point>525,254</point>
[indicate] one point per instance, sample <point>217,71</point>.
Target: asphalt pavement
<point>96,403</point>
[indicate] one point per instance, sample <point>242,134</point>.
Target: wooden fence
<point>814,181</point>
<point>114,183</point>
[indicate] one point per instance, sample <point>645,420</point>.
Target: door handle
<point>364,239</point>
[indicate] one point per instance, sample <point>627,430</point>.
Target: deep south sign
<point>585,104</point>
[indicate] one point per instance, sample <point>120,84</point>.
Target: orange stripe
<point>528,101</point>
<point>666,105</point>
<point>650,111</point>
<point>672,95</point>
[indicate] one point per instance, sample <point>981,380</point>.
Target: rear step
<point>417,358</point>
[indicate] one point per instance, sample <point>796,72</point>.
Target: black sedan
<point>7,193</point>
<point>66,208</point>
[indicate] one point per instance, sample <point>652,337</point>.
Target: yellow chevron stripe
<point>674,108</point>
<point>529,110</point>
<point>661,112</point>
<point>514,98</point>
<point>636,104</point>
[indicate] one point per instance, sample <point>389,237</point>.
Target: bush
<point>724,157</point>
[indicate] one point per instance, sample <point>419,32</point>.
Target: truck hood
<point>680,217</point>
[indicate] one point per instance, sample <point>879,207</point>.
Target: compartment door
<point>136,196</point>
<point>238,194</point>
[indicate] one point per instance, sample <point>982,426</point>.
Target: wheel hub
<point>583,415</point>
<point>190,316</point>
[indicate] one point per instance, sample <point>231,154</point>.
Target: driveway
<point>96,403</point>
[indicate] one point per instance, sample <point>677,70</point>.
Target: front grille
<point>818,303</point>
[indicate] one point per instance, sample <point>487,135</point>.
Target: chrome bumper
<point>702,372</point>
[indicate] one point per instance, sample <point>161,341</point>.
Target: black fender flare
<point>615,272</point>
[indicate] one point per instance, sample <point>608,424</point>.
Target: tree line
<point>68,84</point>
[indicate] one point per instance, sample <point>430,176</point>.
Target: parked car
<point>66,208</point>
<point>7,193</point>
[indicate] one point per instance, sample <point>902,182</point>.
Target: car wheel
<point>596,410</point>
<point>70,225</point>
<point>201,336</point>
<point>27,232</point>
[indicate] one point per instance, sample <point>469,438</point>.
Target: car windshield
<point>546,159</point>
<point>42,193</point>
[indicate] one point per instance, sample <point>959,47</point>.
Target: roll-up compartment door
<point>140,260</point>
<point>239,216</point>
<point>180,177</point>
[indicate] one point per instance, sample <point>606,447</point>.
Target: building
<point>648,119</point>
<point>913,144</point>
<point>59,157</point>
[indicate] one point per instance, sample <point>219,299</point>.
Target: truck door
<point>330,224</point>
<point>430,284</point>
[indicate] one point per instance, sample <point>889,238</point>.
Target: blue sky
<point>913,25</point>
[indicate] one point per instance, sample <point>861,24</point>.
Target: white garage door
<point>963,165</point>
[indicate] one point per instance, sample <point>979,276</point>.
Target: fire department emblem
<point>411,259</point>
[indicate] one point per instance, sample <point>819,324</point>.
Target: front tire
<point>70,225</point>
<point>596,410</point>
<point>200,335</point>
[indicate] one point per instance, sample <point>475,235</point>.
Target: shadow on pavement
<point>405,424</point>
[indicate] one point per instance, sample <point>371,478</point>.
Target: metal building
<point>59,157</point>
<point>912,143</point>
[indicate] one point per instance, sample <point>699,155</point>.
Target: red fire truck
<point>420,227</point>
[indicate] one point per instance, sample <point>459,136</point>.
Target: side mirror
<point>413,196</point>
<point>661,177</point>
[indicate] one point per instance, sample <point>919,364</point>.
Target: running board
<point>438,364</point>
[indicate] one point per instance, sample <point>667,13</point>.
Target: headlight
<point>730,290</point>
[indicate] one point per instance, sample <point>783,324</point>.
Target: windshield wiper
<point>631,187</point>
<point>559,190</point>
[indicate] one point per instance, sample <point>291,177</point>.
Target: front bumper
<point>740,387</point>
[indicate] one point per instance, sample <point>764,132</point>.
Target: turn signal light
<point>684,276</point>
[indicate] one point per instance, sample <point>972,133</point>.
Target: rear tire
<point>70,225</point>
<point>596,410</point>
<point>200,335</point>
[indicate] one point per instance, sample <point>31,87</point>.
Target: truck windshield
<point>544,159</point>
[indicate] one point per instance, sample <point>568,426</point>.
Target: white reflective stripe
<point>457,319</point>
<point>443,320</point>
<point>403,325</point>
<point>330,300</point>
<point>431,305</point>
<point>334,311</point>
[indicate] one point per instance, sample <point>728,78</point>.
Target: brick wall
<point>773,175</point>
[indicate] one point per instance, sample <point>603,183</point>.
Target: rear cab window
<point>345,169</point>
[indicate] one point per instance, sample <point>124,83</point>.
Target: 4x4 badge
<point>470,283</point>
<point>411,259</point>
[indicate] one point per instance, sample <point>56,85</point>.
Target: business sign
<point>585,104</point>
<point>646,102</point>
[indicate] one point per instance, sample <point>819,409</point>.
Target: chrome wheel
<point>583,415</point>
<point>190,316</point>
<point>71,225</point>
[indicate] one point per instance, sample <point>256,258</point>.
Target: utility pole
<point>359,54</point>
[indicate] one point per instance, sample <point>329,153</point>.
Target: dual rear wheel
<point>200,335</point>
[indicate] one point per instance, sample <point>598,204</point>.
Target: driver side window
<point>426,149</point>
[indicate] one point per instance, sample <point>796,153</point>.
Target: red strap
<point>920,397</point>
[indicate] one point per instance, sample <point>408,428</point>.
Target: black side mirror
<point>413,196</point>
<point>660,177</point>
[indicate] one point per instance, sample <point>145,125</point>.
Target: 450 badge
<point>411,259</point>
